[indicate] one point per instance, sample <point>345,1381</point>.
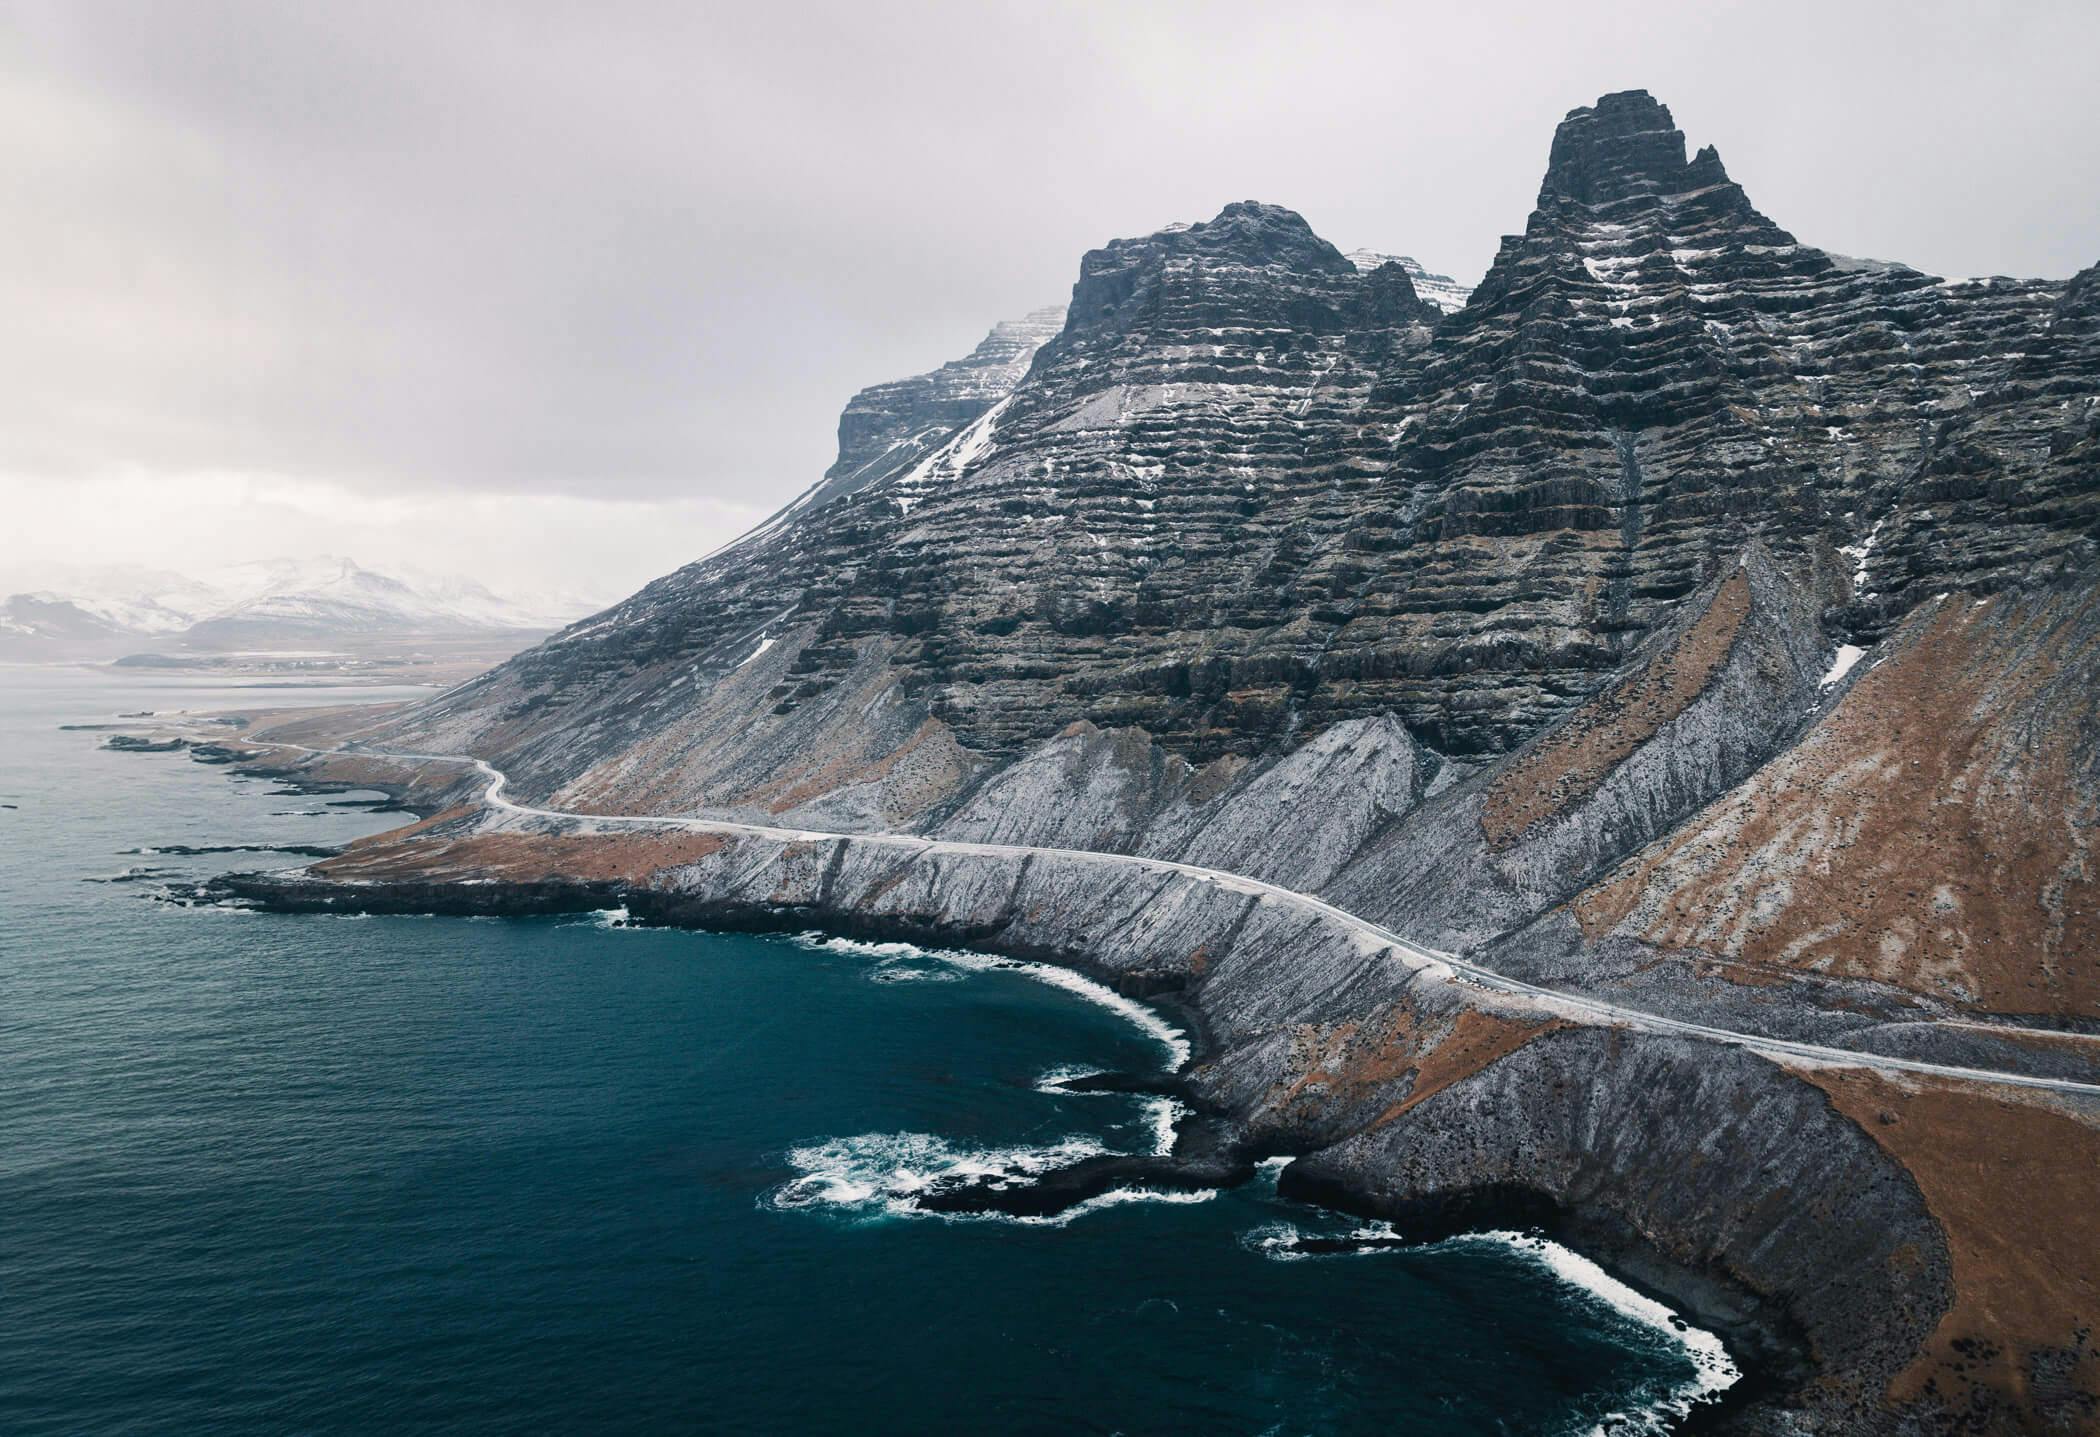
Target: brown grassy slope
<point>316,727</point>
<point>2013,1177</point>
<point>1372,1070</point>
<point>413,854</point>
<point>1934,831</point>
<point>1569,764</point>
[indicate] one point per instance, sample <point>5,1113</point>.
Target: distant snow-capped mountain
<point>319,600</point>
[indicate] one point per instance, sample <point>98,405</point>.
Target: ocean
<point>265,1173</point>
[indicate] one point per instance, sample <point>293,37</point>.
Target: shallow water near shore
<point>264,1172</point>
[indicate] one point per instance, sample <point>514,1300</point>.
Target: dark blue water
<point>264,1173</point>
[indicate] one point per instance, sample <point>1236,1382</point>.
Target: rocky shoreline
<point>1215,1147</point>
<point>1736,1187</point>
<point>1232,1124</point>
<point>1798,1210</point>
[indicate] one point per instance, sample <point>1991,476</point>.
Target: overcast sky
<point>511,288</point>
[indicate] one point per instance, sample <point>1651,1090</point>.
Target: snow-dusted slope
<point>126,598</point>
<point>897,426</point>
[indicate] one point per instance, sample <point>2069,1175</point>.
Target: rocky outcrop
<point>1768,1185</point>
<point>1295,819</point>
<point>1440,290</point>
<point>1932,831</point>
<point>1704,703</point>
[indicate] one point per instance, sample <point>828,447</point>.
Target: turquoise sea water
<point>267,1173</point>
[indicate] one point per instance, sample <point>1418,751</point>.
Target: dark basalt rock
<point>192,850</point>
<point>1207,1154</point>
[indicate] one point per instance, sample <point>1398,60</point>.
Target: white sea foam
<point>884,1169</point>
<point>1054,1080</point>
<point>1118,1197</point>
<point>1164,1115</point>
<point>894,962</point>
<point>1713,1371</point>
<point>613,917</point>
<point>894,972</point>
<point>1281,1241</point>
<point>1144,1018</point>
<point>826,943</point>
<point>884,1174</point>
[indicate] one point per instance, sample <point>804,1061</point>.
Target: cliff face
<point>888,428</point>
<point>1693,617</point>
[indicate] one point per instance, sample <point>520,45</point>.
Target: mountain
<point>94,602</point>
<point>52,617</point>
<point>1693,622</point>
<point>328,601</point>
<point>1250,491</point>
<point>336,600</point>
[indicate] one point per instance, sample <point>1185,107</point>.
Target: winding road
<point>1431,961</point>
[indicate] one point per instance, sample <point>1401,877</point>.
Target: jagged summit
<point>1253,231</point>
<point>1624,146</point>
<point>1117,281</point>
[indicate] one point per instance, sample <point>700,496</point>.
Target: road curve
<point>1434,961</point>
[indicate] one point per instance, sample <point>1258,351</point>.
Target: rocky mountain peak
<point>1250,231</point>
<point>887,428</point>
<point>1246,238</point>
<point>1389,295</point>
<point>1625,145</point>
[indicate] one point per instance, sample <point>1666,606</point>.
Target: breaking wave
<point>1163,1116</point>
<point>910,957</point>
<point>1055,1080</point>
<point>1713,1370</point>
<point>885,1174</point>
